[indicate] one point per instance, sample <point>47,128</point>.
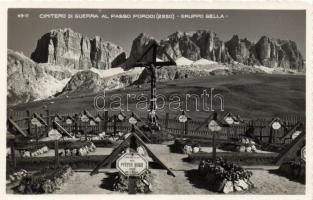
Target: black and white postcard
<point>152,101</point>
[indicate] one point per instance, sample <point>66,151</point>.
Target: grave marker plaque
<point>276,125</point>
<point>132,120</point>
<point>131,164</point>
<point>182,118</point>
<point>229,120</point>
<point>36,122</point>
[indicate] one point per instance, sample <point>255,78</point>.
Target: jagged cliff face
<point>241,50</point>
<point>195,45</point>
<point>27,80</point>
<point>279,53</point>
<point>139,46</point>
<point>74,50</point>
<point>273,53</point>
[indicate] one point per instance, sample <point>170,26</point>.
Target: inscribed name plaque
<point>182,118</point>
<point>36,122</point>
<point>276,125</point>
<point>84,118</point>
<point>120,117</point>
<point>98,119</point>
<point>68,121</point>
<point>92,123</point>
<point>229,120</point>
<point>213,126</point>
<point>131,164</point>
<point>54,134</point>
<point>132,120</point>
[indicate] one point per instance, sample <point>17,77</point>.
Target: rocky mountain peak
<point>73,50</point>
<point>139,46</point>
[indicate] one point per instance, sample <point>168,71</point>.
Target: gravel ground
<point>185,181</point>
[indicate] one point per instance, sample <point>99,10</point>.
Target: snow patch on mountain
<point>268,70</point>
<point>48,86</point>
<point>183,61</point>
<point>203,61</point>
<point>116,71</point>
<point>107,72</point>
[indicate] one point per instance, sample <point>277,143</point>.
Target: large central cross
<point>152,65</point>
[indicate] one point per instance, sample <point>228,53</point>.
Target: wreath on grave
<point>225,176</point>
<point>143,183</point>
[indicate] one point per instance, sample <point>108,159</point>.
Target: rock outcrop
<point>180,45</point>
<point>89,82</point>
<point>139,46</point>
<point>202,44</point>
<point>74,50</point>
<point>195,45</point>
<point>28,81</point>
<point>279,53</point>
<point>241,50</point>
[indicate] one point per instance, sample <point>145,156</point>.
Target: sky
<point>23,32</point>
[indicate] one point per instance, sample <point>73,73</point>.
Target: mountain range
<point>65,62</point>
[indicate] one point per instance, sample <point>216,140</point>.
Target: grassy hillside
<point>251,96</point>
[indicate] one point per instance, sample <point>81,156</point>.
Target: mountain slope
<point>92,81</point>
<point>28,81</point>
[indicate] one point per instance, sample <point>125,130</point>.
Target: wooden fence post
<point>56,153</point>
<point>271,136</point>
<point>105,122</point>
<point>114,125</point>
<point>13,154</point>
<point>186,127</point>
<point>28,122</point>
<point>48,117</point>
<point>166,120</point>
<point>36,132</point>
<point>48,121</point>
<point>86,128</point>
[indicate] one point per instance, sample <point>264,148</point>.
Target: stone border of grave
<point>243,144</point>
<point>187,146</point>
<point>78,148</point>
<point>224,176</point>
<point>143,183</point>
<point>45,181</point>
<point>32,150</point>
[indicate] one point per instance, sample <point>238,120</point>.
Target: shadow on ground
<point>107,183</point>
<point>289,177</point>
<point>195,180</point>
<point>174,148</point>
<point>187,159</point>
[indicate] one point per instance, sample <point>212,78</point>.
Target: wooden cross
<point>152,66</point>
